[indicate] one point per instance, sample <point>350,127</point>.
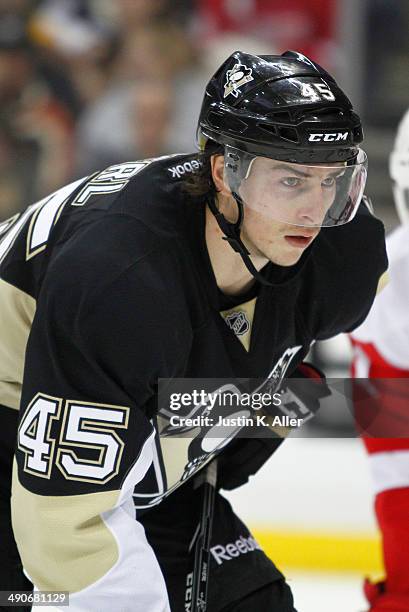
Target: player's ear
<point>217,167</point>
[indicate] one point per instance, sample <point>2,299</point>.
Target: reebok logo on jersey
<point>238,322</point>
<point>234,549</point>
<point>181,169</point>
<point>330,137</point>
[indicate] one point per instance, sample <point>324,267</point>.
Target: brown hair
<point>200,183</point>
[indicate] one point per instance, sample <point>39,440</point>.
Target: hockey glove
<point>245,456</point>
<point>381,600</point>
<point>301,394</point>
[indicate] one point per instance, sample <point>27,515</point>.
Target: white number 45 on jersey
<point>84,426</point>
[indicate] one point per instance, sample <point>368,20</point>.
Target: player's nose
<point>313,208</point>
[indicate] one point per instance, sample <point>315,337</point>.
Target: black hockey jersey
<point>105,287</point>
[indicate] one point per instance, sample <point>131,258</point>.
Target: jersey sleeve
<point>102,334</point>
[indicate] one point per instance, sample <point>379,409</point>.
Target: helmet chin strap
<point>231,233</point>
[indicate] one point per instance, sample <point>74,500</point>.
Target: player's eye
<point>291,181</point>
<point>329,181</point>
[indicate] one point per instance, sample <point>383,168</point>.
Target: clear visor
<point>320,195</point>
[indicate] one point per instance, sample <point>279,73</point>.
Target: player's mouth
<point>299,241</point>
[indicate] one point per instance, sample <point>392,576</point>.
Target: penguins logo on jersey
<point>238,322</point>
<point>235,78</point>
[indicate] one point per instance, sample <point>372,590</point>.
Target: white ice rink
<point>319,592</point>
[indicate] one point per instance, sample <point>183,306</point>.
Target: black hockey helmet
<point>285,107</point>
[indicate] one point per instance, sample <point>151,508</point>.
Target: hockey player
<point>227,263</point>
<point>381,351</point>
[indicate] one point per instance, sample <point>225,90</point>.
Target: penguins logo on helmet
<point>236,77</point>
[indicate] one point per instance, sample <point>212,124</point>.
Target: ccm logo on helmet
<point>330,137</point>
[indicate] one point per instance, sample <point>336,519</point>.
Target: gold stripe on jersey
<point>75,550</point>
<point>175,453</point>
<point>16,315</point>
<point>383,281</point>
<point>240,321</point>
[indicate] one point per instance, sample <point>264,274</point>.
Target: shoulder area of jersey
<point>180,166</point>
<point>356,248</point>
<point>158,171</point>
<point>365,220</point>
<point>175,167</point>
<point>129,186</point>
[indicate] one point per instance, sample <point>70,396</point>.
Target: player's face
<point>280,243</point>
<point>284,205</point>
<point>275,192</point>
<point>265,236</point>
<point>299,195</point>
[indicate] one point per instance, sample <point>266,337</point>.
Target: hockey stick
<point>198,581</point>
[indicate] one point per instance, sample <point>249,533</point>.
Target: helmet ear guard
<point>237,165</point>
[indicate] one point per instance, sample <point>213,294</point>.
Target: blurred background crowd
<point>87,83</point>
